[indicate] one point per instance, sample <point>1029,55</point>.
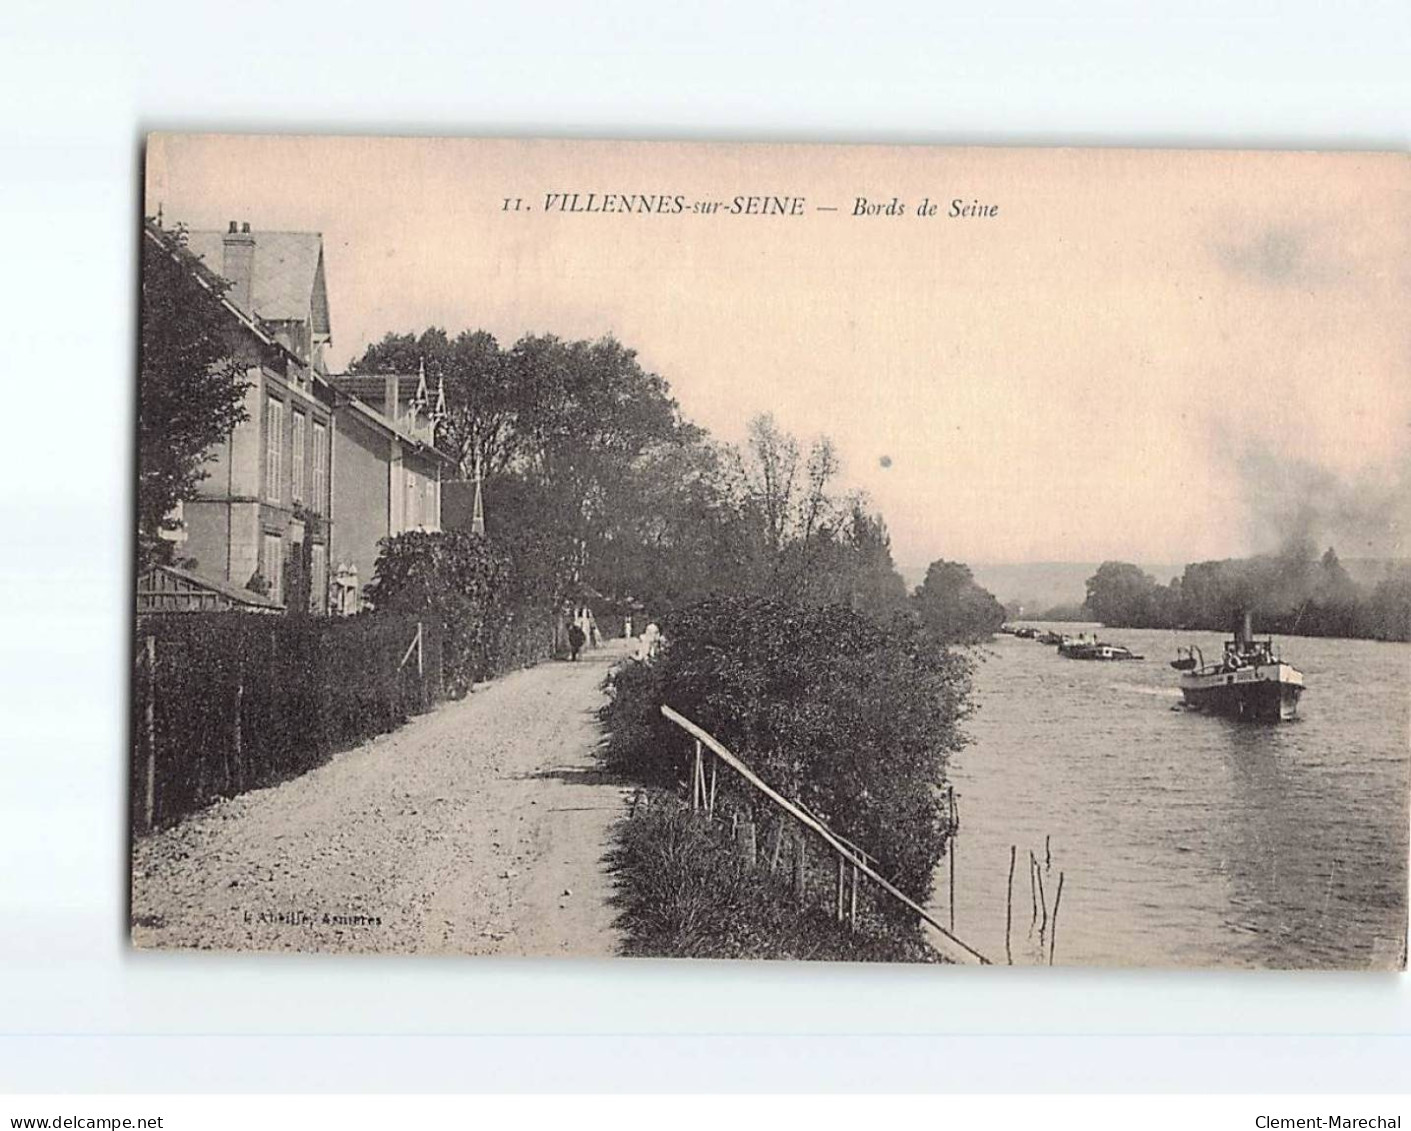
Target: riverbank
<point>849,719</point>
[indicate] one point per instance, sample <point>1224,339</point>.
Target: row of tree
<point>1295,591</point>
<point>593,478</point>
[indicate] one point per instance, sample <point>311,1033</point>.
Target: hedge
<point>851,717</point>
<point>235,701</point>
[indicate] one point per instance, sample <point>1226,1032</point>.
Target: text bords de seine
<point>681,204</point>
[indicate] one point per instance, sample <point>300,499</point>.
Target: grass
<point>685,891</point>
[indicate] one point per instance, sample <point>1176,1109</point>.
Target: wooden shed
<point>169,589</point>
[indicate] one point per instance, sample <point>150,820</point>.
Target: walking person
<point>575,640</point>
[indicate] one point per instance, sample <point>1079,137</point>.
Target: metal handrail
<point>952,947</point>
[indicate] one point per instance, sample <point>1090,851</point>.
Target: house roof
<point>201,272</point>
<point>288,283</point>
<point>388,427</point>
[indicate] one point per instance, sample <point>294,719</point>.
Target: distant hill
<point>1368,571</point>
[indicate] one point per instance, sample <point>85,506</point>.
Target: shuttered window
<point>319,502</point>
<point>296,455</point>
<point>274,450</point>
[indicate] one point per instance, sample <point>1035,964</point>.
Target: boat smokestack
<point>1244,633</point>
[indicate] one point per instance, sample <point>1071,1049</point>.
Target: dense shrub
<point>240,701</point>
<point>683,891</point>
<point>853,718</point>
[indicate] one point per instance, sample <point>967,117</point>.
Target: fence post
<point>1053,926</point>
<point>838,910</point>
<point>696,777</point>
<point>1009,905</point>
<point>954,826</point>
<point>149,803</point>
<point>748,850</point>
<point>853,915</point>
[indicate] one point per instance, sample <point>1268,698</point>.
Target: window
<point>320,477</point>
<point>273,566</point>
<point>413,515</point>
<point>274,449</point>
<point>296,455</point>
<point>318,583</point>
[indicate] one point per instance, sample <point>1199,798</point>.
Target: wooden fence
<point>853,863</point>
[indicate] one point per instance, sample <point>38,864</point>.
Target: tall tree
<point>593,415</point>
<point>483,400</point>
<point>954,607</point>
<point>791,503</point>
<point>1122,595</point>
<point>190,391</point>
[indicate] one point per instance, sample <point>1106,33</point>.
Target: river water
<point>1182,839</point>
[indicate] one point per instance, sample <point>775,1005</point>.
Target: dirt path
<point>477,829</point>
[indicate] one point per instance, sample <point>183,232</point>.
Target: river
<point>1183,839</point>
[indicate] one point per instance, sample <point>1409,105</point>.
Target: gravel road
<point>479,828</point>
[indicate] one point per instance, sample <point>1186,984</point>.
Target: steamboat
<point>1250,681</point>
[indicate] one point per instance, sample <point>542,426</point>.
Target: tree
<point>788,500</point>
<point>590,418</point>
<point>190,391</point>
<point>483,399</point>
<point>564,429</point>
<point>1120,594</point>
<point>953,607</point>
<point>853,566</point>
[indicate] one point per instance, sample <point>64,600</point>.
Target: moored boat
<point>1087,647</point>
<point>1250,681</point>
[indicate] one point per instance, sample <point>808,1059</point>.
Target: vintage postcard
<point>981,556</point>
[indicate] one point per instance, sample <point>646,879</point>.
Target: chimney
<point>238,265</point>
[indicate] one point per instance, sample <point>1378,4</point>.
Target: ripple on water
<point>1186,839</point>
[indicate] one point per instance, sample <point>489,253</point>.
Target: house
<point>299,496</point>
<point>262,517</point>
<point>388,474</point>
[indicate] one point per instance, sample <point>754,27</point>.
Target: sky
<point>1157,356</point>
